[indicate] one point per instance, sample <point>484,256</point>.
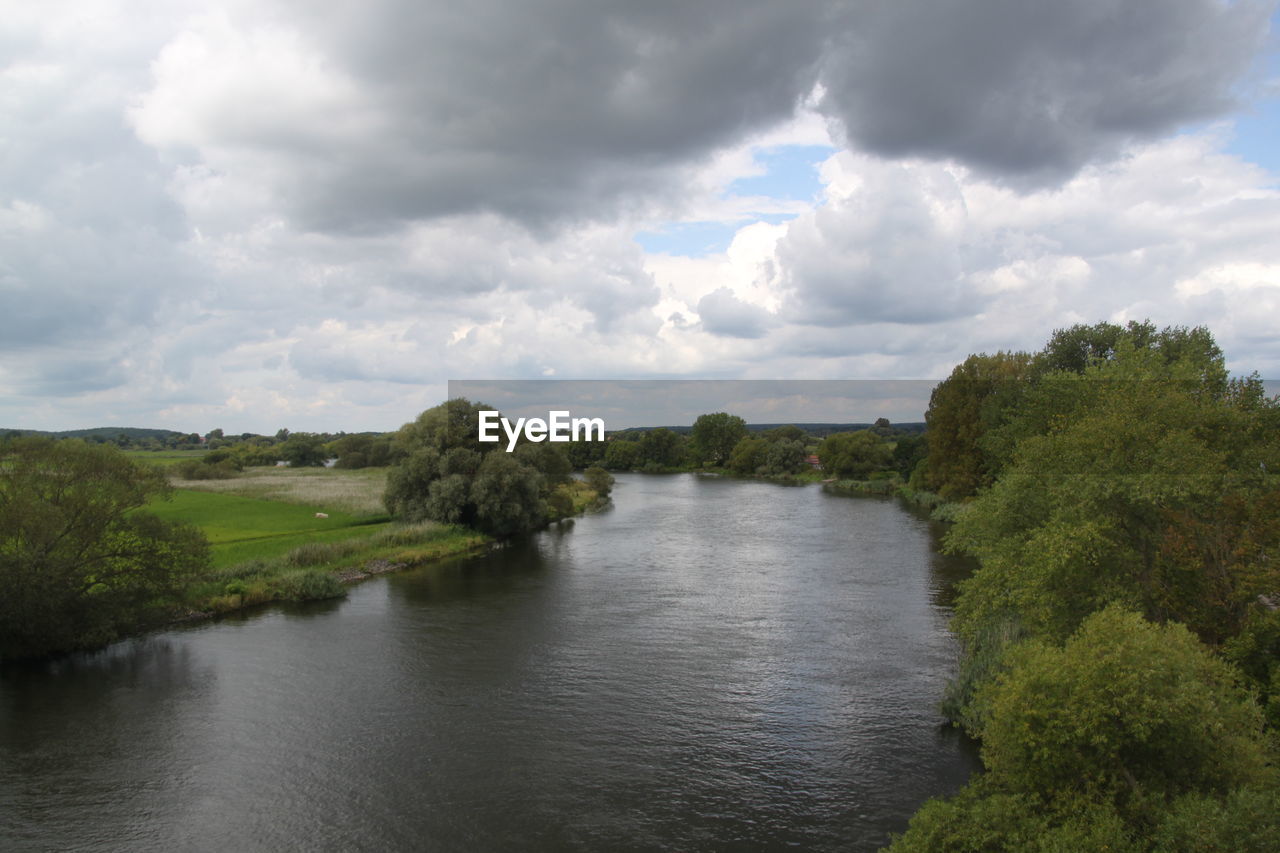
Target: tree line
<point>1121,634</point>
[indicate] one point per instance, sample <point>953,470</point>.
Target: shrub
<point>309,585</point>
<point>318,553</point>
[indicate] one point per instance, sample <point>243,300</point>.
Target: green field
<point>331,490</point>
<point>241,529</point>
<point>267,543</point>
<point>164,458</point>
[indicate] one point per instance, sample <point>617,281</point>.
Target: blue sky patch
<point>791,173</point>
<point>689,239</point>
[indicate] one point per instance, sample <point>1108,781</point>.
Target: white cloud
<point>258,215</point>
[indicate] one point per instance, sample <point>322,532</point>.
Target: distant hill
<point>131,433</point>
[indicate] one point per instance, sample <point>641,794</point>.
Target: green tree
<point>661,447</point>
<point>789,432</point>
<point>507,496</point>
<point>854,455</point>
<point>549,460</point>
<point>622,455</point>
<point>748,456</point>
<point>453,423</point>
<point>1126,710</point>
<point>448,475</point>
<point>303,450</point>
<point>785,456</point>
<point>978,396</point>
<point>80,560</point>
<point>1128,734</point>
<point>715,435</point>
<point>1129,499</point>
<point>599,480</point>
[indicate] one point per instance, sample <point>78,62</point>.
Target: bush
<point>310,585</point>
<point>80,558</point>
<point>197,469</point>
<point>1128,709</point>
<point>319,553</point>
<point>599,481</point>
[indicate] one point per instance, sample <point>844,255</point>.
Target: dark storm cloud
<point>568,110</point>
<point>1034,90</point>
<point>543,111</point>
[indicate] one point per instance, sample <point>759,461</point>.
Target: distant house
<point>813,461</point>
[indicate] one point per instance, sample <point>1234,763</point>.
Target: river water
<point>708,665</point>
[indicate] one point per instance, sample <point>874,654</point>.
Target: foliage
<point>974,399</point>
<point>854,455</point>
<point>547,459</point>
<point>621,454</point>
<point>310,585</point>
<point>365,450</point>
<point>507,496</point>
<point>1124,507</point>
<point>1149,493</point>
<point>908,452</point>
<point>661,448</point>
<point>453,423</point>
<point>449,475</point>
<point>748,455</point>
<point>80,560</point>
<point>1126,710</point>
<point>715,435</point>
<point>202,469</point>
<point>303,450</point>
<point>599,480</point>
<point>785,456</point>
<point>1130,734</point>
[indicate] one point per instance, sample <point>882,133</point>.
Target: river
<point>710,664</point>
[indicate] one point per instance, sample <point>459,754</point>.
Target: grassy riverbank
<point>286,534</point>
<point>281,534</point>
<point>938,509</point>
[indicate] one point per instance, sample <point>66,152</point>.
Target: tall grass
<point>316,569</point>
<point>355,492</point>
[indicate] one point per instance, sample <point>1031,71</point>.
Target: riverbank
<point>280,535</point>
<point>938,509</point>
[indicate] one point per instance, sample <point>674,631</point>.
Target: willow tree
<point>81,560</point>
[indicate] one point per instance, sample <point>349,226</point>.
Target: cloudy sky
<point>277,213</point>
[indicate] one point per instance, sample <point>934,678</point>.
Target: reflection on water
<point>710,664</point>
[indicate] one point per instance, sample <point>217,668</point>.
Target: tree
<point>1127,727</point>
<point>714,436</point>
<point>507,496</point>
<point>549,460</point>
<point>621,454</point>
<point>854,455</point>
<point>785,456</point>
<point>303,450</point>
<point>1126,709</point>
<point>448,475</point>
<point>977,397</point>
<point>599,480</point>
<point>748,456</point>
<point>80,560</point>
<point>660,447</point>
<point>453,423</point>
<point>789,432</point>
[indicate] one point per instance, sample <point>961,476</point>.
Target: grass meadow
<point>332,490</point>
<point>268,543</point>
<point>164,458</point>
